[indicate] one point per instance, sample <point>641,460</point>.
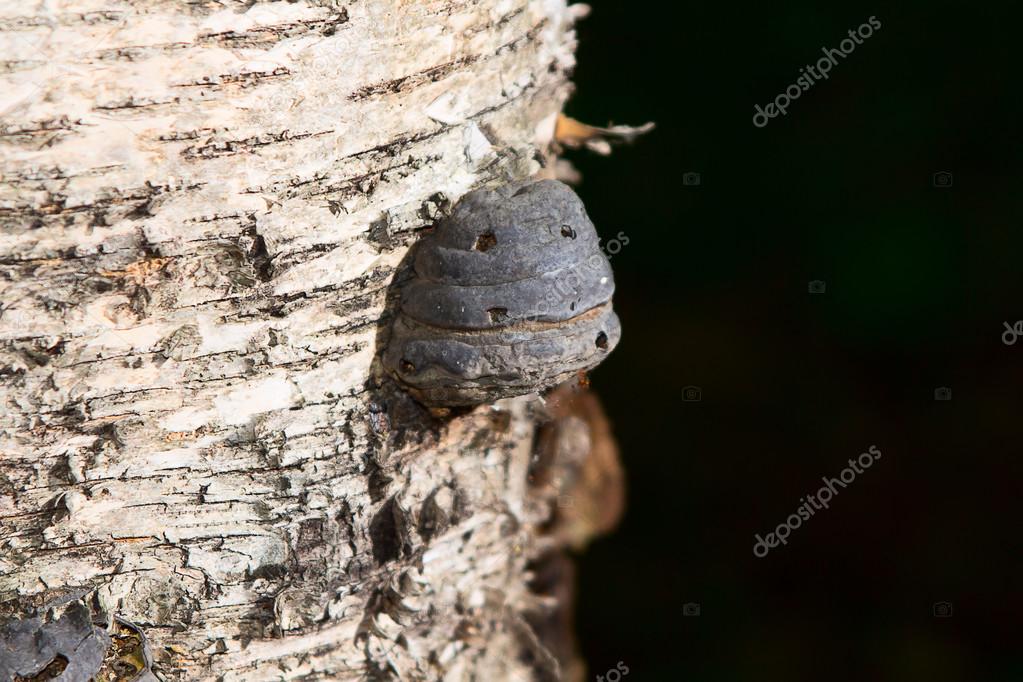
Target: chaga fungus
<point>511,295</point>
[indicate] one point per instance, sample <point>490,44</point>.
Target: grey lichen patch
<point>181,343</point>
<point>511,295</point>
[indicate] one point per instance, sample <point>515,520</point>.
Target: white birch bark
<point>202,205</point>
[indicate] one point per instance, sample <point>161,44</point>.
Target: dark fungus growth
<point>71,642</point>
<point>511,294</point>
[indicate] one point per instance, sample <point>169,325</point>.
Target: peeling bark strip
<point>202,205</point>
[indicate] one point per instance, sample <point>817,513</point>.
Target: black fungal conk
<point>511,295</point>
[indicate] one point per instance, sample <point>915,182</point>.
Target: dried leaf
<point>575,134</point>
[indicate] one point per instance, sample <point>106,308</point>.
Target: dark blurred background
<point>713,292</point>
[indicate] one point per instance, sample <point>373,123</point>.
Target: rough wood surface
<point>202,206</point>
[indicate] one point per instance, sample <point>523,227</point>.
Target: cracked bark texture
<point>202,206</point>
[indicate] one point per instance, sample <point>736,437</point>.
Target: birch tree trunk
<point>202,206</point>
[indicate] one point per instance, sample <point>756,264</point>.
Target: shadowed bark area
<point>202,207</point>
